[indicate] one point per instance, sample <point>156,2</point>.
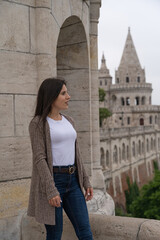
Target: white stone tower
<point>129,98</point>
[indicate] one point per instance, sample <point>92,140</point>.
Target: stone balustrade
<point>130,85</point>
<point>103,227</point>
<point>122,132</point>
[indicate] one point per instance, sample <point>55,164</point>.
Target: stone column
<point>98,178</point>
<point>46,40</point>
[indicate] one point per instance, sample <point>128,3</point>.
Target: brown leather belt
<point>69,169</point>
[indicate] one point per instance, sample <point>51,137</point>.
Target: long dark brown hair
<point>47,94</point>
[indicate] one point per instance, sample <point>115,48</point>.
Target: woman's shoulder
<point>70,119</point>
<point>37,120</point>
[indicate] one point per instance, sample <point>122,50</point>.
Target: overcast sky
<point>143,18</point>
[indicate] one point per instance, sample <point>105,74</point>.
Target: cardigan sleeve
<point>40,160</point>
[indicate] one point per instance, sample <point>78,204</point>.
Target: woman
<point>58,174</point>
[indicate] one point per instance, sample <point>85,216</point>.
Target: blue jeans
<point>74,204</point>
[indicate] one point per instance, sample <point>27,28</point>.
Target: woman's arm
<point>39,160</point>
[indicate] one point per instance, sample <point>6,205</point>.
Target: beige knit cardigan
<point>42,184</point>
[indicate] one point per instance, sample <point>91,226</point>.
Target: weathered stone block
<point>32,22</point>
<point>82,118</point>
<point>93,53</point>
<point>72,34</point>
<point>24,112</point>
<point>44,3</point>
<point>32,229</point>
<point>56,6</point>
<point>14,27</point>
<point>10,228</point>
<point>76,8</point>
<point>13,197</point>
<point>150,229</point>
<point>85,149</point>
<point>77,83</point>
<point>85,19</point>
<point>25,2</point>
<point>61,10</point>
<point>6,113</point>
<point>16,159</point>
<point>73,56</point>
<point>18,73</point>
<point>47,32</point>
<point>46,65</point>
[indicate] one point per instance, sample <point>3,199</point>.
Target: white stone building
<point>130,138</point>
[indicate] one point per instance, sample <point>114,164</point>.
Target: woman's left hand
<point>89,194</point>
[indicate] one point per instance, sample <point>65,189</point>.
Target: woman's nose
<point>68,96</point>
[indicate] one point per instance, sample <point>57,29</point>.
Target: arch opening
<point>73,65</point>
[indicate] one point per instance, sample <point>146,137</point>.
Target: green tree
<point>103,112</point>
<point>131,194</point>
<point>102,95</point>
<point>147,204</point>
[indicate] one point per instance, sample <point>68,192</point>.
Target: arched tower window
<point>150,119</point>
<point>122,101</point>
<point>128,120</point>
<point>127,152</point>
<point>141,121</point>
<point>127,79</point>
<point>150,100</point>
<point>114,98</point>
<point>152,144</point>
<point>137,101</point>
<point>115,155</point>
<point>139,147</point>
<point>138,79</point>
<point>101,83</point>
<point>147,145</point>
<point>123,152</point>
<point>105,81</point>
<point>117,80</point>
<point>120,157</point>
<point>155,119</point>
<point>143,101</point>
<point>102,158</point>
<point>133,149</point>
<point>142,147</point>
<point>127,101</point>
<point>107,158</point>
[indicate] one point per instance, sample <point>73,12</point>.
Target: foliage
<point>147,205</point>
<point>131,194</point>
<point>102,95</point>
<point>120,212</point>
<point>103,113</point>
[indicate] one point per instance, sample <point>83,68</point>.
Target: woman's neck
<point>55,115</point>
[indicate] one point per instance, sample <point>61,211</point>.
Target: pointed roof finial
<point>129,56</point>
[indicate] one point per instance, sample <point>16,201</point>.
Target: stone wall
<point>128,152</point>
<point>41,39</point>
<point>103,227</point>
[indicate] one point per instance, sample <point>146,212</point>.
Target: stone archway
<point>73,66</point>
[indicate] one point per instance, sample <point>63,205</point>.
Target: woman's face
<point>61,102</point>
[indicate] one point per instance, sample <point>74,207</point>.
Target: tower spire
<point>129,56</point>
<point>103,62</point>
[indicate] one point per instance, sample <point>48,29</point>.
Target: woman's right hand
<point>55,201</point>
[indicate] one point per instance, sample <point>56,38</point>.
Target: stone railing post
<point>98,179</point>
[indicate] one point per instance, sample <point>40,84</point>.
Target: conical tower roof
<point>129,56</point>
<point>103,68</point>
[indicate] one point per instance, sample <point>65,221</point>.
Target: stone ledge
<point>103,227</point>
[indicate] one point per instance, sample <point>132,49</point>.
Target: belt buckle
<point>71,170</point>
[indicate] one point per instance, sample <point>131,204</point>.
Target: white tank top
<point>63,137</point>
